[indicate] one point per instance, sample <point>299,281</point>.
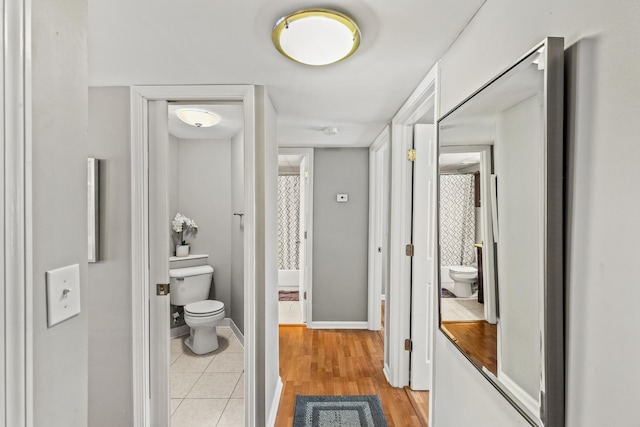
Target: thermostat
<point>342,198</point>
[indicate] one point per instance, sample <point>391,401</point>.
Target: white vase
<point>182,250</point>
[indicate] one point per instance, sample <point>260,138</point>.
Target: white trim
<point>236,332</point>
<point>338,325</point>
<point>16,300</point>
<point>518,394</point>
<point>140,95</point>
<point>273,411</point>
<point>309,153</point>
<point>376,228</point>
<point>399,296</point>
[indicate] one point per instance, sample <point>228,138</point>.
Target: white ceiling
<point>146,42</point>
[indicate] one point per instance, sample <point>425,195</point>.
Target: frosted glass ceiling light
<point>316,36</point>
<point>198,118</point>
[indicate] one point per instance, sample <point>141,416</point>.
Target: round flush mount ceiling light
<point>198,118</point>
<point>316,36</point>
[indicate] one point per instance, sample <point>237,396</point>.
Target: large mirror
<point>501,234</point>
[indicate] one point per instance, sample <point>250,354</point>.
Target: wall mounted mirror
<point>501,232</point>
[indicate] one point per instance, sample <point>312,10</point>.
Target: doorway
<point>295,234</point>
<point>150,245</point>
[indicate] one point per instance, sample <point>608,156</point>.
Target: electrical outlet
<point>342,198</point>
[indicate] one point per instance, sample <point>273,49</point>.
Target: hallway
<point>335,362</point>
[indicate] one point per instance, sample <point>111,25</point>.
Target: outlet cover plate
<point>342,198</point>
<point>63,294</point>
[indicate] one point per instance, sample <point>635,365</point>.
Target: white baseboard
<point>273,412</point>
<point>338,325</point>
<point>382,297</point>
<point>239,335</point>
<point>517,392</point>
<point>179,331</point>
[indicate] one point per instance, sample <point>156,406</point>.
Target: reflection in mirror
<point>500,232</point>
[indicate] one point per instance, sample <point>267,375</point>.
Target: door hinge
<point>163,288</point>
<point>542,405</point>
<point>411,154</point>
<point>409,249</point>
<point>408,345</point>
<point>305,234</point>
<point>305,295</point>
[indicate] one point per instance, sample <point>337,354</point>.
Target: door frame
<point>308,282</point>
<point>378,224</point>
<point>141,349</point>
<point>424,98</point>
<point>16,299</point>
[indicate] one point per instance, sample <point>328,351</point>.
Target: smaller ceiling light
<point>316,36</point>
<point>330,131</point>
<point>198,118</point>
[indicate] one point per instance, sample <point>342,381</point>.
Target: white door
<point>159,238</point>
<point>423,278</point>
<point>302,237</point>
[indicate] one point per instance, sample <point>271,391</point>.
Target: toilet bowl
<point>463,277</point>
<point>190,288</point>
<point>202,317</point>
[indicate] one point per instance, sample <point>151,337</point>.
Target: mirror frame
<point>552,396</point>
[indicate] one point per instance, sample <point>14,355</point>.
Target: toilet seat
<point>204,308</point>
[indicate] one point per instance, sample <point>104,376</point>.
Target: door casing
<point>141,345</point>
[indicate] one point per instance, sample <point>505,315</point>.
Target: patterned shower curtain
<point>288,222</point>
<point>457,219</point>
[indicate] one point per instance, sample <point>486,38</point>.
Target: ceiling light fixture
<point>316,36</point>
<point>330,131</point>
<point>198,118</point>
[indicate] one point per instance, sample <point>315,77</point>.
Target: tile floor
<point>208,390</point>
<point>289,312</point>
<point>461,309</point>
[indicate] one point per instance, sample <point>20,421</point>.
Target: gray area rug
<point>338,411</point>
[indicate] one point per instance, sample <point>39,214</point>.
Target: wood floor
<point>478,340</point>
<point>335,362</point>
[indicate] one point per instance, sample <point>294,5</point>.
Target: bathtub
<point>288,280</point>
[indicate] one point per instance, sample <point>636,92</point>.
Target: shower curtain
<point>457,219</point>
<point>288,221</point>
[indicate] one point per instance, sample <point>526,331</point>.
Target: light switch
<point>342,198</point>
<point>63,294</point>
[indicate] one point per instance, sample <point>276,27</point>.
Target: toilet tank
<point>190,284</point>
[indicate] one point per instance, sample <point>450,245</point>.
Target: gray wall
<point>58,102</point>
<point>237,230</point>
<point>340,234</point>
<point>109,307</point>
<point>204,195</point>
<point>602,241</point>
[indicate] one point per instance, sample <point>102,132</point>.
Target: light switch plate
<point>342,198</point>
<point>63,294</point>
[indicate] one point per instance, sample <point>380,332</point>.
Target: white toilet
<point>190,288</point>
<point>463,277</point>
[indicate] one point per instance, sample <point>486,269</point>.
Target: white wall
<point>204,195</point>
<point>58,100</point>
<point>110,279</point>
<point>602,239</point>
<point>519,248</point>
<point>341,234</point>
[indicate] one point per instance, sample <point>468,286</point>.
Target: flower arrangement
<point>184,226</point>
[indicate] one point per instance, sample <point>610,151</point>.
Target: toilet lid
<point>204,308</point>
<point>463,269</point>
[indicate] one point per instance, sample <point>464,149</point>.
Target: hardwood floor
<point>478,340</point>
<point>334,362</point>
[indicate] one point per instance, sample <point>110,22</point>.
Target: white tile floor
<point>289,312</point>
<point>461,309</point>
<point>208,390</point>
